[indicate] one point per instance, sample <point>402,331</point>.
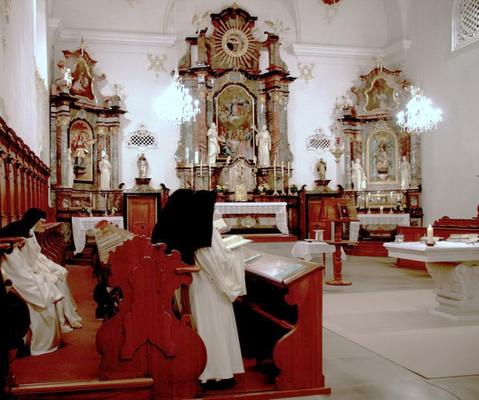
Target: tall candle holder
<point>282,178</point>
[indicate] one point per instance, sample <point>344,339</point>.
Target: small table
<point>304,249</point>
<point>454,268</point>
<point>81,225</point>
<point>276,208</point>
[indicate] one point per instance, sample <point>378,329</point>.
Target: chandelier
<point>176,105</point>
<point>420,116</point>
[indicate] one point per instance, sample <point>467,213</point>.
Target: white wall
<point>22,92</point>
<point>310,105</point>
<point>450,162</point>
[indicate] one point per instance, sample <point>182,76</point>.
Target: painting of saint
<point>235,115</point>
<point>82,82</point>
<point>380,96</point>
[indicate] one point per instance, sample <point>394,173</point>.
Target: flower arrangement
<point>264,187</point>
<point>293,188</point>
<point>221,189</point>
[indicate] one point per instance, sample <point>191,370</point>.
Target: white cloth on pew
<point>212,292</point>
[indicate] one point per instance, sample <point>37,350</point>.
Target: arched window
<point>465,23</point>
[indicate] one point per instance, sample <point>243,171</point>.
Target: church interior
<point>277,176</point>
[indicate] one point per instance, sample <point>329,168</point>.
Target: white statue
<point>358,176</point>
<point>263,141</point>
<point>105,171</point>
<point>405,171</point>
<point>321,168</point>
<point>143,166</point>
<point>213,145</point>
<point>70,173</point>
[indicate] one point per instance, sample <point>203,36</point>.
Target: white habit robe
<point>40,293</point>
<point>212,292</point>
<point>66,308</point>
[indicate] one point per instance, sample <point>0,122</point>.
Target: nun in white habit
<point>186,225</point>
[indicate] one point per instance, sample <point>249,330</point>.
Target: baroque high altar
<point>241,101</point>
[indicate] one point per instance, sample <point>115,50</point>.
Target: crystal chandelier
<point>176,105</point>
<point>420,116</point>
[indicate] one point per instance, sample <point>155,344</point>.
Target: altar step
<point>117,389</point>
<point>369,248</point>
<point>270,238</point>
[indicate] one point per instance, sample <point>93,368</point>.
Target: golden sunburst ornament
<point>234,44</point>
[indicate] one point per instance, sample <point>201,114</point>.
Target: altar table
<point>454,268</point>
<point>81,225</point>
<point>276,208</point>
<point>384,219</point>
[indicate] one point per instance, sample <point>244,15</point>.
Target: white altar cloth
<point>454,268</point>
<point>384,219</point>
<point>276,208</point>
<point>81,225</point>
<point>304,249</point>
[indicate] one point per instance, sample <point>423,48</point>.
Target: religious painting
<point>235,120</point>
<point>81,151</point>
<point>82,81</point>
<point>380,96</point>
<point>382,157</point>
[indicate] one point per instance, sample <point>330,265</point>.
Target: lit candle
<point>187,160</point>
<point>429,235</point>
<point>197,157</point>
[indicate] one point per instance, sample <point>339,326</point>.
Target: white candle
<point>197,157</point>
<point>429,235</point>
<point>187,156</point>
<point>282,170</point>
<point>201,168</point>
<point>381,209</point>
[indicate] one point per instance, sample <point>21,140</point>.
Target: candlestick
<point>192,183</point>
<point>275,193</point>
<point>429,235</point>
<point>282,177</point>
<point>187,160</point>
<point>209,177</point>
<point>201,170</point>
<point>289,169</point>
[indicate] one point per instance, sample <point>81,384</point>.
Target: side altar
<point>239,139</point>
<point>84,140</point>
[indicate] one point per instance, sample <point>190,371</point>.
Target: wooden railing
<point>23,177</point>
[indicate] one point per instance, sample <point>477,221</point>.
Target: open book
<point>234,241</point>
<point>463,237</point>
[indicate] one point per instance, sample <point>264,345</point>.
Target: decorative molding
<point>465,23</point>
<point>157,63</point>
<point>306,71</point>
<point>337,54</point>
<point>132,2</point>
<point>55,29</point>
<point>135,39</point>
<point>396,52</point>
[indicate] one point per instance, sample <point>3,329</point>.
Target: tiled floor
<point>355,373</point>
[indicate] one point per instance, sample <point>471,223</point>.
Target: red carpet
<point>77,359</point>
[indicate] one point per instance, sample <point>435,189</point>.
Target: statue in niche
<point>143,166</point>
<point>213,145</point>
<point>263,141</point>
<point>80,149</point>
<point>105,171</point>
<point>382,159</point>
<point>321,169</point>
<point>358,175</point>
<point>405,171</point>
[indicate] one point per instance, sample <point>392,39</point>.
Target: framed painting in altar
<point>382,157</point>
<point>235,120</point>
<point>380,96</point>
<point>82,81</point>
<point>81,142</point>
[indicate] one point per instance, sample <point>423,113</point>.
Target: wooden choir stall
<point>280,316</point>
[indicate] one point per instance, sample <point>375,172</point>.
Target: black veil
<point>22,227</point>
<point>186,222</point>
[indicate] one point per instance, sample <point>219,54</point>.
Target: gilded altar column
<point>115,163</point>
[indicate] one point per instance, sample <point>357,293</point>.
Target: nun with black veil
<point>186,225</point>
<point>41,283</point>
